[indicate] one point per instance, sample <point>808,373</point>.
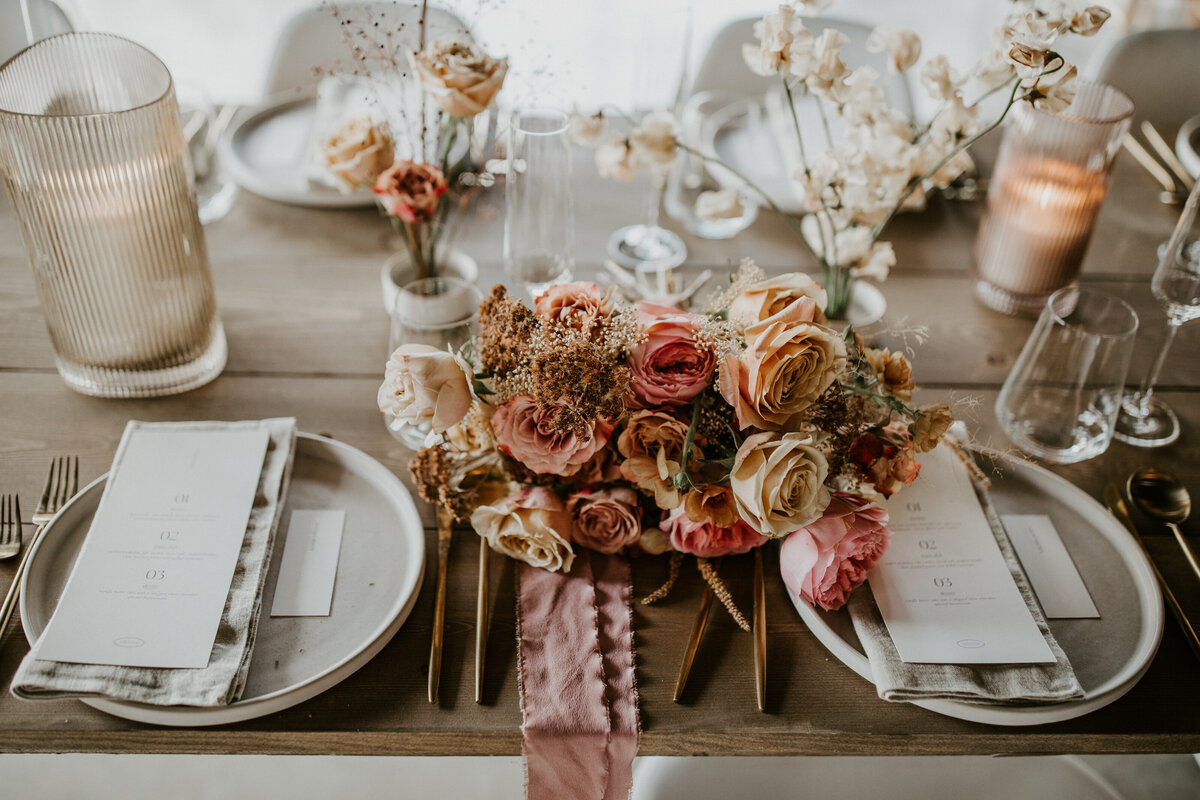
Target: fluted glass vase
<point>92,153</point>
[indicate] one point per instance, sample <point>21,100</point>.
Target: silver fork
<point>62,482</point>
<point>10,526</point>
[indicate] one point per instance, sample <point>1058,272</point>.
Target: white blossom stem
<point>796,125</point>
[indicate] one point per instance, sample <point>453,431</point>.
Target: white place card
<point>152,578</point>
<point>943,587</point>
<point>308,568</point>
<point>1048,565</point>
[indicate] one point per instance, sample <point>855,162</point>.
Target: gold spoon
<point>1160,495</point>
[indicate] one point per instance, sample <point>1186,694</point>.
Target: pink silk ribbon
<point>578,691</point>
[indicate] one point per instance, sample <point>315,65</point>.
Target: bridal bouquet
<point>873,160</point>
<point>648,428</point>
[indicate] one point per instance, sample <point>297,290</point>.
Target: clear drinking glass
<point>437,312</point>
<point>539,217</point>
<point>1044,195</point>
<point>1145,420</point>
<point>93,158</point>
<point>1061,399</point>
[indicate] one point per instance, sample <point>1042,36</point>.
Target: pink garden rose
<point>577,305</point>
<point>410,191</point>
<point>606,520</point>
<point>526,431</point>
<point>707,540</point>
<point>824,561</point>
<point>669,367</point>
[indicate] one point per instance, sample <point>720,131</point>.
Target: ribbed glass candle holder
<point>1044,196</point>
<point>93,157</point>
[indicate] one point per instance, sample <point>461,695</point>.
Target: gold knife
<point>1167,154</point>
<point>760,632</point>
<point>481,618</point>
<point>1116,506</point>
<point>689,652</point>
<point>445,526</point>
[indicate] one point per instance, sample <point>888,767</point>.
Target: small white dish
<point>1109,654</point>
<point>380,568</point>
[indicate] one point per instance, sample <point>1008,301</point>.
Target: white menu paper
<point>943,587</point>
<point>152,578</point>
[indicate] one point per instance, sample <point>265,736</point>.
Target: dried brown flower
<point>893,370</point>
<point>507,328</point>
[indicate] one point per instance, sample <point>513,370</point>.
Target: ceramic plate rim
<point>1112,689</point>
<point>296,693</point>
<point>248,178</point>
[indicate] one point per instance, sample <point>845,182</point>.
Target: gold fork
<point>10,526</point>
<point>62,482</point>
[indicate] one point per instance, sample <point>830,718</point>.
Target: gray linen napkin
<point>985,684</point>
<point>222,681</point>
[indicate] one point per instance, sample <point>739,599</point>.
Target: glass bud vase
<point>93,156</point>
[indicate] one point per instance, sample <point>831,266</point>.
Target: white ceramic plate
<point>379,573</point>
<point>265,152</point>
<point>1109,654</point>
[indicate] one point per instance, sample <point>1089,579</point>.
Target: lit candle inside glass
<point>1040,215</point>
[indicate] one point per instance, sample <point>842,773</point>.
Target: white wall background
<point>561,51</point>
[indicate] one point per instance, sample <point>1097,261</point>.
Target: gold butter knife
<point>1167,154</point>
<point>760,632</point>
<point>481,619</point>
<point>693,643</point>
<point>1116,506</point>
<point>445,532</point>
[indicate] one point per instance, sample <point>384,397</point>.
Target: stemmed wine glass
<point>1145,420</point>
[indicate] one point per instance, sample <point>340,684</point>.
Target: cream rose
<point>531,525</point>
<point>778,482</point>
<point>767,298</point>
<point>790,361</point>
<point>357,152</point>
<point>423,383</point>
<point>458,75</point>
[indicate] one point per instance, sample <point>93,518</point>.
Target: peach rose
<point>605,520</point>
<point>789,362</point>
<point>826,560</point>
<point>410,191</point>
<point>713,504</point>
<point>929,428</point>
<point>778,482</point>
<point>707,540</point>
<point>886,458</point>
<point>527,431</point>
<point>531,526</point>
<point>357,152</point>
<point>652,445</point>
<point>669,367</point>
<point>423,383</point>
<point>767,298</point>
<point>577,305</point>
<point>458,75</point>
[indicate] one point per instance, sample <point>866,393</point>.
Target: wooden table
<point>299,295</point>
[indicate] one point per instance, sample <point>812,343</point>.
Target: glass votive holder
<point>1043,198</point>
<point>93,157</point>
<point>436,312</point>
<point>1061,400</point>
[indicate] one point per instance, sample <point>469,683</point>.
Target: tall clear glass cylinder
<point>92,153</point>
<point>539,217</point>
<point>1044,196</point>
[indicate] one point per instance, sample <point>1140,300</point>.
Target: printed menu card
<point>943,587</point>
<point>154,572</point>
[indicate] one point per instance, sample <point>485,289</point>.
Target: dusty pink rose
<point>410,191</point>
<point>887,458</point>
<point>826,560</point>
<point>669,367</point>
<point>707,540</point>
<point>606,520</point>
<point>576,305</point>
<point>526,431</point>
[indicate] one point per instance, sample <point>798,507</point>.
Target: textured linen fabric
<point>578,690</point>
<point>988,684</point>
<point>223,680</point>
